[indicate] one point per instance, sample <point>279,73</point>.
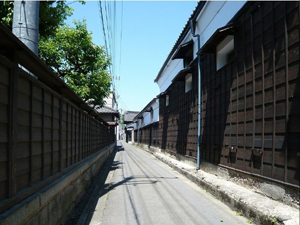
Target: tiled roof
<point>106,110</point>
<point>129,115</point>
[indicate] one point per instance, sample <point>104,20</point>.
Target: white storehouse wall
<point>147,116</point>
<point>214,15</point>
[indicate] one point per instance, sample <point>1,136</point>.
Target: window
<point>188,82</point>
<point>167,100</point>
<point>225,51</point>
<point>151,115</point>
<point>187,60</point>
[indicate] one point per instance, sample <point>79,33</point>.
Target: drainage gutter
<point>199,96</point>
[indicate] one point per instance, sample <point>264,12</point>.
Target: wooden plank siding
<point>251,103</point>
<point>44,134</point>
<point>250,107</point>
<point>149,135</point>
<point>178,122</point>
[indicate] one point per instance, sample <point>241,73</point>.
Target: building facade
<point>246,57</point>
<point>146,130</point>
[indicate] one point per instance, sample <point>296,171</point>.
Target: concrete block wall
<point>52,204</point>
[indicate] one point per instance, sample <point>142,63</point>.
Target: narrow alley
<point>140,189</point>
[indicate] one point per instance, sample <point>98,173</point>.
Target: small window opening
<point>167,100</point>
<point>187,60</point>
<point>225,51</point>
<point>188,82</point>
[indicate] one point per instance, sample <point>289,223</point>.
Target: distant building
<point>130,124</point>
<point>146,129</point>
<point>111,101</point>
<point>109,115</point>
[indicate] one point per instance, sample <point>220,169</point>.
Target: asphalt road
<point>140,189</point>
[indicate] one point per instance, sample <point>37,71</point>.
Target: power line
<point>121,36</point>
<point>103,27</point>
<point>123,103</point>
<point>110,21</point>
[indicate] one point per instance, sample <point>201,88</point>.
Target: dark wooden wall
<point>43,134</point>
<point>178,122</point>
<point>250,107</point>
<point>149,135</point>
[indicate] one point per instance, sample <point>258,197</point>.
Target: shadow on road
<point>83,211</point>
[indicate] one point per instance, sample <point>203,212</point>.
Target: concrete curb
<point>257,208</point>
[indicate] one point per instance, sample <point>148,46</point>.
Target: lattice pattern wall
<point>252,104</point>
<point>149,135</point>
<point>178,122</point>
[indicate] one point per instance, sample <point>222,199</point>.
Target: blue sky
<point>149,31</point>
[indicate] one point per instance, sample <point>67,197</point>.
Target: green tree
<point>6,12</point>
<point>69,51</point>
<point>78,61</point>
<point>52,15</point>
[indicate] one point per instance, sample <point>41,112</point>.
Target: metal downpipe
<point>199,96</point>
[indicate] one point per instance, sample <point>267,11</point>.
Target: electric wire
<point>123,103</point>
<point>109,22</point>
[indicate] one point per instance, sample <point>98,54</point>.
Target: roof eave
<point>184,32</point>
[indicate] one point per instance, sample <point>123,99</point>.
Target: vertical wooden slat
<point>67,135</point>
<point>43,134</point>
<point>80,136</point>
<point>263,90</point>
<point>253,88</point>
<point>286,92</point>
<point>244,65</point>
<point>76,136</point>
<point>31,136</point>
<point>52,134</point>
<point>12,127</point>
<point>89,136</point>
<point>60,134</point>
<point>274,92</point>
<point>237,109</point>
<point>84,135</point>
<point>72,135</point>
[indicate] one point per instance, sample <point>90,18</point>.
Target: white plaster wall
<point>110,102</point>
<point>170,71</point>
<point>214,15</point>
<point>132,125</point>
<point>147,116</point>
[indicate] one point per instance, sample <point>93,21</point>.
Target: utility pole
<point>26,23</point>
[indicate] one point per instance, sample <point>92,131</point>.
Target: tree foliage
<point>78,61</point>
<point>6,12</point>
<point>69,51</point>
